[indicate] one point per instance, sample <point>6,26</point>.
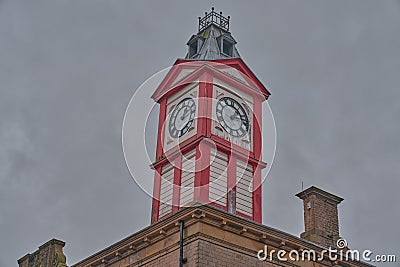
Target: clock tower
<point>209,146</point>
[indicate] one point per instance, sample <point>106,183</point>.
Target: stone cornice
<point>321,193</point>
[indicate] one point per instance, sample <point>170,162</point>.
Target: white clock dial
<point>182,117</point>
<point>232,117</point>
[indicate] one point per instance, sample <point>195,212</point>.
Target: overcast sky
<point>69,68</point>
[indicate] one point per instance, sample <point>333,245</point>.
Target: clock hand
<point>185,113</point>
<point>235,116</point>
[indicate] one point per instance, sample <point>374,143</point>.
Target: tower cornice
<point>169,83</point>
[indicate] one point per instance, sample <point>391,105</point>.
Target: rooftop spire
<point>213,40</point>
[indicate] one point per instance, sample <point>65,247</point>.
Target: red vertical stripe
<point>156,195</point>
<point>202,175</point>
<point>257,122</point>
<point>257,192</point>
<point>197,175</point>
<point>231,176</point>
<point>209,102</point>
<point>161,120</point>
<point>257,189</point>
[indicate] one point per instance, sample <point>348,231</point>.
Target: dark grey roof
<point>210,42</point>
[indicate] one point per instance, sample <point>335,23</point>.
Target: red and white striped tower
<point>209,132</point>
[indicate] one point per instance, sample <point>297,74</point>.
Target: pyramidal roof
<point>213,40</point>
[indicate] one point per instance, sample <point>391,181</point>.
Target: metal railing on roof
<point>214,18</point>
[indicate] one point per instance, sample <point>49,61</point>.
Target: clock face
<point>182,117</point>
<point>232,117</point>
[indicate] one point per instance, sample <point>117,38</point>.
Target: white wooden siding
<point>187,181</point>
<point>167,179</point>
<point>244,194</point>
<point>218,177</point>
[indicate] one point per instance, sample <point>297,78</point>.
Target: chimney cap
<point>322,193</point>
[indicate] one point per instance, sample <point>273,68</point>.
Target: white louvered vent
<point>218,177</point>
<point>187,181</point>
<point>244,194</point>
<point>167,179</point>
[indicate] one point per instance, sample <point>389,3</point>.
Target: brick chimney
<point>49,254</point>
<point>320,216</point>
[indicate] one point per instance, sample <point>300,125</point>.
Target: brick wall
<point>212,255</point>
